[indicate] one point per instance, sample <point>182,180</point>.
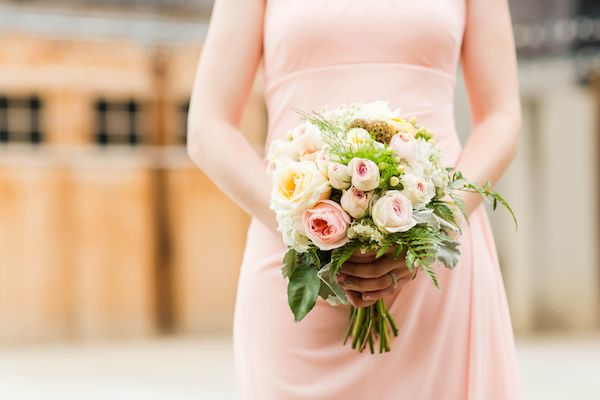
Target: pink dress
<point>456,343</point>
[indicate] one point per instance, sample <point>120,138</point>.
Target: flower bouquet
<point>360,178</point>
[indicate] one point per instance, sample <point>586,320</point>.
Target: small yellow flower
<point>394,181</point>
<point>401,169</point>
<point>381,166</point>
<point>290,137</point>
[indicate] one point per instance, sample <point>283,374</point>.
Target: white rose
<point>307,138</point>
<point>425,151</point>
<point>418,190</point>
<point>357,137</point>
<point>405,147</point>
<point>298,186</point>
<point>339,175</point>
<point>393,213</point>
<point>440,178</point>
<point>280,154</point>
<point>365,174</point>
<point>356,202</point>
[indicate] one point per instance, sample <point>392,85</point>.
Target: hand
<point>366,279</point>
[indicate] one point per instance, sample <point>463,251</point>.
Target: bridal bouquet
<point>362,179</point>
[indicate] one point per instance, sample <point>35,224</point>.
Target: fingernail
<point>366,297</point>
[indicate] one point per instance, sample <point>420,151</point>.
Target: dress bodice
<point>327,53</point>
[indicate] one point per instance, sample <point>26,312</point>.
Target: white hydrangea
<point>365,231</point>
<point>287,225</point>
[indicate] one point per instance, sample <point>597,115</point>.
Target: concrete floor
<point>185,369</point>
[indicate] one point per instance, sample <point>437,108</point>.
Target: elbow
<point>196,147</point>
<point>514,127</point>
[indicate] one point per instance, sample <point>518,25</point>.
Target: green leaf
<point>303,290</point>
<point>289,263</point>
<point>490,196</point>
<point>331,287</point>
<point>340,255</point>
<point>308,258</point>
<point>448,253</point>
<point>443,211</point>
<point>432,275</point>
<point>325,292</point>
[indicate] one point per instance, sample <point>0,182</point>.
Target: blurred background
<point>114,282</point>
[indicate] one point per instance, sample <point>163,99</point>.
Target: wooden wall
<point>80,251</point>
<point>114,242</point>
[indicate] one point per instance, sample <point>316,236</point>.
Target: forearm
<point>488,152</point>
<point>228,159</point>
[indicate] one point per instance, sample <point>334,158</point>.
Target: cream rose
<point>357,137</point>
<point>326,225</point>
<point>365,174</point>
<point>405,147</point>
<point>307,138</point>
<point>356,202</point>
<point>339,175</point>
<point>418,190</point>
<point>393,212</point>
<point>298,186</point>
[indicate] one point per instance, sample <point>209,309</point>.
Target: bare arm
<point>224,78</point>
<point>489,65</point>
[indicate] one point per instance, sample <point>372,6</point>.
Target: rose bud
<point>356,202</point>
<point>339,175</point>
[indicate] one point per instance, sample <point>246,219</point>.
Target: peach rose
<point>326,225</point>
<point>320,158</point>
<point>307,138</point>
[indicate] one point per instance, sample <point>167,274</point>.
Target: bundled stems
<point>368,324</point>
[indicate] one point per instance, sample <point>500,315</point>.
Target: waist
<point>421,92</point>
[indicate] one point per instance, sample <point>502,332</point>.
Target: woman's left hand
<point>366,279</point>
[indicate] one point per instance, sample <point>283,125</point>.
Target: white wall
<point>550,264</point>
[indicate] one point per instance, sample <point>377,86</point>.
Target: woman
<point>456,343</point>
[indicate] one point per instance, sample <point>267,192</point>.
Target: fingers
<point>355,298</point>
<point>359,258</point>
<point>380,294</point>
<point>374,270</point>
<point>367,284</point>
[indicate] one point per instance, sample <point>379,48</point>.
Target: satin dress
<point>456,343</point>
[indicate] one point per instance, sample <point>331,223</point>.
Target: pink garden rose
<point>365,174</point>
<point>326,224</point>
